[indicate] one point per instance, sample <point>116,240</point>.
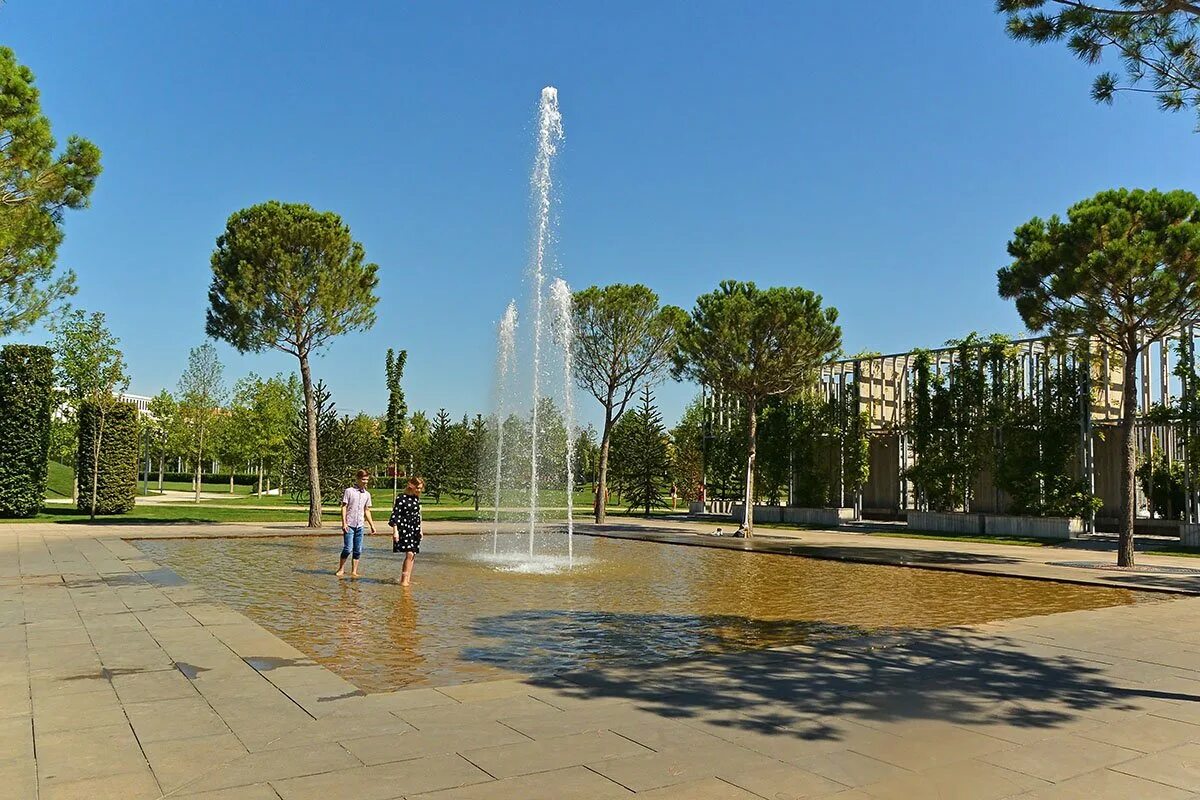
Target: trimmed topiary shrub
<point>26,399</point>
<point>116,484</point>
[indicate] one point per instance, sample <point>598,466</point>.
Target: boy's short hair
<point>362,473</point>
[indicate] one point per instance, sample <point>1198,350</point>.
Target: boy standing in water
<point>356,507</point>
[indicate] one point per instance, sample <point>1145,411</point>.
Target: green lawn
<point>207,513</point>
<point>59,478</point>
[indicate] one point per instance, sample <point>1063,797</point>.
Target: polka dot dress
<point>406,517</point>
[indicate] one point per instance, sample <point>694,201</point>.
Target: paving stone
<point>782,782</point>
<point>384,781</point>
<point>1060,758</point>
<point>505,761</point>
<point>410,698</point>
<point>464,713</point>
<point>703,789</point>
<point>849,768</point>
<point>18,778</point>
<point>174,719</point>
<point>68,756</point>
<point>669,766</point>
<point>16,738</point>
<point>175,762</point>
<point>573,783</point>
<point>257,791</point>
<point>138,785</point>
<point>78,712</point>
<point>1107,784</point>
<point>1179,767</point>
<point>275,765</point>
<point>143,687</point>
<point>400,746</point>
<point>337,728</point>
<point>486,690</point>
<point>962,780</point>
<point>929,748</point>
<point>546,725</point>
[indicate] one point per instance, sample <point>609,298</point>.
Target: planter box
<point>720,507</point>
<point>761,513</point>
<point>824,517</point>
<point>1038,527</point>
<point>1189,535</point>
<point>946,522</point>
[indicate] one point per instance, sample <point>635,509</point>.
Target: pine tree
<point>397,411</point>
<point>439,462</point>
<point>645,466</point>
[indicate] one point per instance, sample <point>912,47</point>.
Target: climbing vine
<point>984,416</point>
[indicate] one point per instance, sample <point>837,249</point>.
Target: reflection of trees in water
<point>402,639</point>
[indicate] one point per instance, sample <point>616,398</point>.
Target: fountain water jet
<point>504,358</point>
<point>564,333</point>
<point>550,133</point>
<point>543,343</point>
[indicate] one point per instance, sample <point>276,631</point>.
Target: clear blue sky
<point>877,153</point>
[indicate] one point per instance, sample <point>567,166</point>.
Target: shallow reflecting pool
<point>467,619</point>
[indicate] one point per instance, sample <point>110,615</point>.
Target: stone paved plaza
<point>119,681</point>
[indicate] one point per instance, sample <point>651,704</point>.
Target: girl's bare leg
<point>406,573</point>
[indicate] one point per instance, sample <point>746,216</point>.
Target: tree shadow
<point>950,675</point>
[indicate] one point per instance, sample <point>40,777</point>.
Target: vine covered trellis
<point>1027,427</point>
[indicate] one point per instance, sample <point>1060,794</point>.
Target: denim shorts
<point>352,536</point>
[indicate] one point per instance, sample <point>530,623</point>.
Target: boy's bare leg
<point>354,568</point>
<point>341,570</point>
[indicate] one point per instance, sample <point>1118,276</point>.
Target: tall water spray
<point>504,364</point>
<point>550,133</point>
<point>564,334</point>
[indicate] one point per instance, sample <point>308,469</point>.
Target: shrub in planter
<point>116,481</point>
<point>26,396</point>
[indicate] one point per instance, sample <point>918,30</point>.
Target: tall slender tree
<point>201,392</point>
<point>755,344</point>
<point>1123,268</point>
<point>288,277</point>
<point>623,339</point>
<point>90,365</point>
<point>163,420</point>
<point>36,187</point>
<point>397,411</point>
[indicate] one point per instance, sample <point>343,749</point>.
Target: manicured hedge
<point>26,398</point>
<point>208,477</point>
<point>116,487</point>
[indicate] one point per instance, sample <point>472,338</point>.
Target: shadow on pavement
<point>949,675</point>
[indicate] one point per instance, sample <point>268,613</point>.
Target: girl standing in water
<point>405,523</point>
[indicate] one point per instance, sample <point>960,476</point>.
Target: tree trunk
<point>161,459</point>
<point>752,408</point>
<point>96,466</point>
<point>1128,454</point>
<point>260,476</point>
<point>314,473</point>
<point>602,482</point>
<point>199,463</point>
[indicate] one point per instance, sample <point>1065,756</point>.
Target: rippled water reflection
<point>467,619</point>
